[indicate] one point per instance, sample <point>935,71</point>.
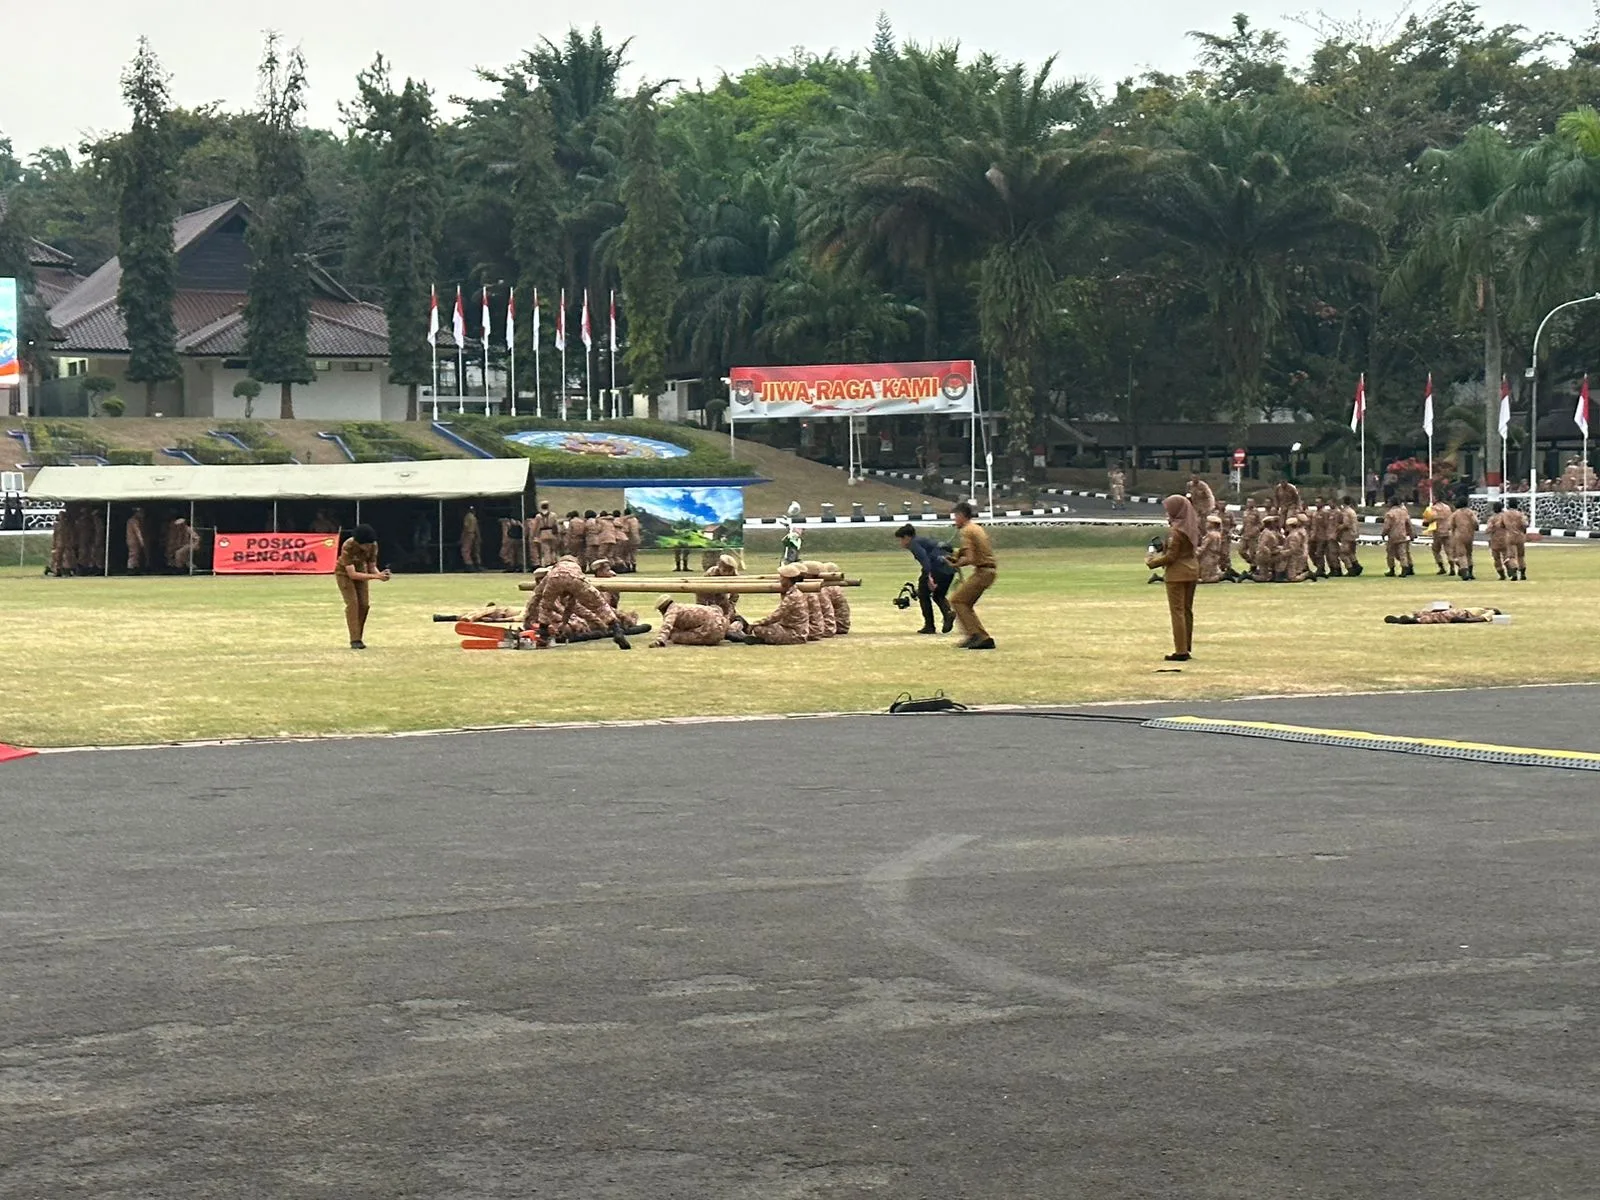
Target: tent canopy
<point>441,479</point>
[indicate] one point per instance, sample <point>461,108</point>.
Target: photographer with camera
<point>934,582</point>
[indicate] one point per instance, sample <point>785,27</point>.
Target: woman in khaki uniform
<point>358,566</point>
<point>1181,559</point>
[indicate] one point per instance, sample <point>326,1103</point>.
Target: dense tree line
<point>1244,239</point>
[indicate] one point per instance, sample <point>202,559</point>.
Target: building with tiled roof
<point>349,339</point>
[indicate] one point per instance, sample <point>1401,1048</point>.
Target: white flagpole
<point>615,399</point>
<point>588,359</point>
<point>538,394</point>
<point>434,342</point>
<point>484,332</point>
<point>511,347</point>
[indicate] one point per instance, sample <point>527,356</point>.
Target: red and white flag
<point>483,328</point>
<point>1427,408</point>
<point>458,325</point>
<point>1582,415</point>
<point>1360,412</point>
<point>1505,406</point>
<point>536,320</point>
<point>433,314</point>
<point>588,334</point>
<point>561,323</point>
<point>511,319</point>
<point>613,321</point>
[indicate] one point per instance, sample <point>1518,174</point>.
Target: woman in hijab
<point>1181,558</point>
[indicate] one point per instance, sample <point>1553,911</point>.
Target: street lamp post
<point>1533,415</point>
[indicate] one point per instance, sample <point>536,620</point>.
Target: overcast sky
<point>55,98</point>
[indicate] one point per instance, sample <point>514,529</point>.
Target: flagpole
<point>511,345</point>
<point>588,360</point>
<point>434,342</point>
<point>485,333</point>
<point>615,399</point>
<point>538,393</point>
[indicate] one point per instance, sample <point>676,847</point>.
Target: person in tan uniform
<point>471,541</point>
<point>1441,538</point>
<point>591,537</point>
<point>1211,551</point>
<point>820,609</point>
<point>564,593</point>
<point>1249,531</point>
<point>1516,541</point>
<point>689,624</point>
<point>1118,482</point>
<point>974,553</point>
<point>1463,527</point>
<point>605,537</point>
<point>1180,558</point>
<point>181,543</point>
<point>726,567</point>
<point>133,533</point>
<point>603,570</point>
<point>1349,537</point>
<point>1202,497</point>
<point>546,534</point>
<point>1285,500</point>
<point>790,622</point>
<point>578,538</point>
<point>356,568</point>
<point>1295,556</point>
<point>635,536</point>
<point>1324,537</point>
<point>508,545</point>
<point>1495,527</point>
<point>834,594</point>
<point>1398,534</point>
<point>1269,547</point>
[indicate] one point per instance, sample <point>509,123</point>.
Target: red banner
<point>274,553</point>
<point>852,390</point>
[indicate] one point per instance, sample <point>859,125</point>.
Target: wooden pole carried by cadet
<point>729,584</point>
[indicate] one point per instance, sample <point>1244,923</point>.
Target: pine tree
<point>278,311</point>
<point>145,166</point>
<point>650,248</point>
<point>883,47</point>
<point>405,214</point>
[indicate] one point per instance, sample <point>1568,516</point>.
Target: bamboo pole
<point>701,587</point>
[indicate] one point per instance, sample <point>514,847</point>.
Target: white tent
<point>442,479</point>
<point>437,480</point>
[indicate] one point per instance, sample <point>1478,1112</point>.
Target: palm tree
<point>993,198</point>
<point>1466,239</point>
<point>1241,190</point>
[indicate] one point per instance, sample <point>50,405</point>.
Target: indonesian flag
<point>458,325</point>
<point>1582,415</point>
<point>433,314</point>
<point>561,323</point>
<point>613,321</point>
<point>511,319</point>
<point>1359,414</point>
<point>1505,405</point>
<point>483,329</point>
<point>1427,408</point>
<point>588,334</point>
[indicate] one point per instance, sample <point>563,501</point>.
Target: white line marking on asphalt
<point>888,900</point>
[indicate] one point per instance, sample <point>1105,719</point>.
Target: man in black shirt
<point>936,577</point>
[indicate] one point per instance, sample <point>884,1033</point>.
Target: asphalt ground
<point>907,957</point>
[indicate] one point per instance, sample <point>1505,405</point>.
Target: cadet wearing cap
<point>790,622</point>
<point>689,624</point>
<point>833,593</point>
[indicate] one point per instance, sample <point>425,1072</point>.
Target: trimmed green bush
<point>112,406</point>
<point>374,441</point>
<point>130,458</point>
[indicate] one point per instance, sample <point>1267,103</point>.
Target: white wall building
<point>348,339</point>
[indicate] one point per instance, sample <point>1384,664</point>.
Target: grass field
<point>137,660</point>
